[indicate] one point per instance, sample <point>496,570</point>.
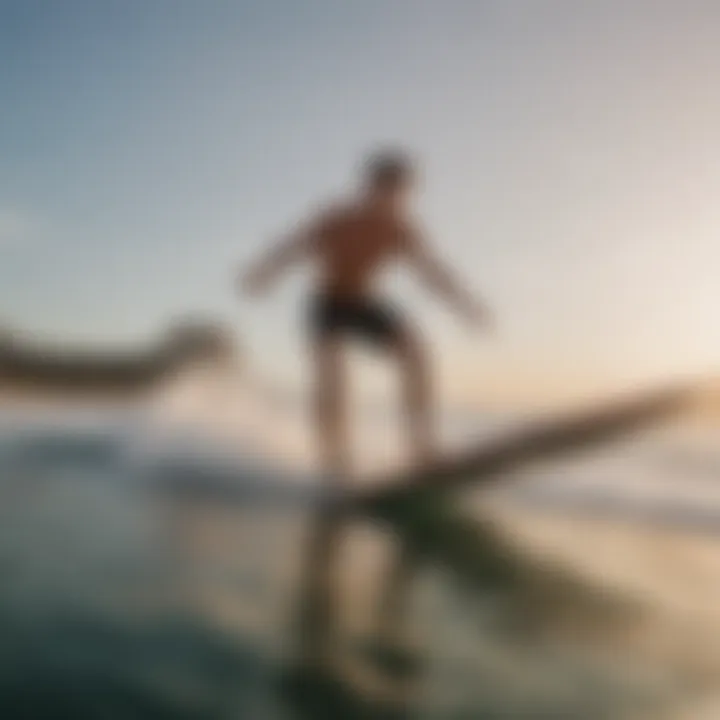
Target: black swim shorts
<point>365,318</point>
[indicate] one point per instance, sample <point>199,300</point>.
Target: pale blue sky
<point>571,149</point>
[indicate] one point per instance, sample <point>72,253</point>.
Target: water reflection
<point>182,589</point>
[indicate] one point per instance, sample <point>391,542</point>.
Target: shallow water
<point>123,595</point>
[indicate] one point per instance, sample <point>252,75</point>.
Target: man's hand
<point>480,317</point>
<point>252,284</point>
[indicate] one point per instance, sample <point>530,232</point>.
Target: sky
<point>570,154</point>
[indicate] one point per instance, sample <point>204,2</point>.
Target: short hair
<point>389,168</point>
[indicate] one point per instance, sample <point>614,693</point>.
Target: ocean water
<point>120,596</point>
<point>150,565</point>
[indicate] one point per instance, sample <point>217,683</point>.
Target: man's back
<point>353,245</point>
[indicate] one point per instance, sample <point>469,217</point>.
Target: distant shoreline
<point>32,369</point>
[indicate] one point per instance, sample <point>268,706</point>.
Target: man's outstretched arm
<point>294,248</point>
<point>438,277</point>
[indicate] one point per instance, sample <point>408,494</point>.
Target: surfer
<point>350,243</point>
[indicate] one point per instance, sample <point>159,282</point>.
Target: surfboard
<point>489,462</point>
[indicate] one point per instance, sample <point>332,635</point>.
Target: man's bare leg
<point>316,612</point>
<point>418,400</point>
<point>398,586</point>
<point>330,410</point>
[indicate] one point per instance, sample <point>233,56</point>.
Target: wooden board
<point>487,462</point>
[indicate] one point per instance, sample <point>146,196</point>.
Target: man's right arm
<point>296,247</point>
<point>439,278</point>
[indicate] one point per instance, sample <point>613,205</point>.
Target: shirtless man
<point>350,244</point>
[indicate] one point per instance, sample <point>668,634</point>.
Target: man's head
<point>389,176</point>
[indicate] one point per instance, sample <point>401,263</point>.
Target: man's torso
<point>354,247</point>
